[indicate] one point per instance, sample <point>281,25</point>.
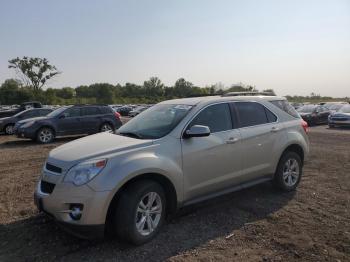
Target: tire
<point>9,129</point>
<point>289,171</point>
<point>45,135</point>
<point>107,127</point>
<point>128,212</point>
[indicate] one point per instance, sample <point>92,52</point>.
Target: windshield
<point>306,109</point>
<point>155,122</point>
<point>345,109</point>
<point>57,111</point>
<point>335,107</point>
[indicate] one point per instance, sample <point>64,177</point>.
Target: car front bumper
<point>58,204</point>
<point>339,122</point>
<point>24,132</point>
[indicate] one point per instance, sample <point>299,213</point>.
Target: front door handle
<point>232,140</point>
<point>275,129</point>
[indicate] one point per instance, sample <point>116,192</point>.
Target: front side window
<point>216,117</point>
<point>156,122</point>
<point>251,114</point>
<point>72,112</point>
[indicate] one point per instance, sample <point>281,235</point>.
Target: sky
<point>294,47</point>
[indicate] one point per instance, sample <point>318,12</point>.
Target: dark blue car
<point>69,120</point>
<point>340,118</point>
<point>7,123</point>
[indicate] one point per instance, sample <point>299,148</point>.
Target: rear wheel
<point>140,212</point>
<point>289,171</point>
<point>45,135</point>
<point>9,129</point>
<point>106,127</point>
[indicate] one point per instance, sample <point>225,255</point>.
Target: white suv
<point>175,153</point>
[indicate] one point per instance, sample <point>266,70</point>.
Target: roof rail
<point>249,93</point>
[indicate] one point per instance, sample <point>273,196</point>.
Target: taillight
<point>117,115</point>
<point>305,126</point>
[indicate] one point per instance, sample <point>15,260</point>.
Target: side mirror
<point>197,131</point>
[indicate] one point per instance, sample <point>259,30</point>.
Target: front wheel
<point>140,212</point>
<point>289,171</point>
<point>9,129</point>
<point>45,135</point>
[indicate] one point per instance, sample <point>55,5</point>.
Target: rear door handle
<point>275,129</point>
<point>232,140</point>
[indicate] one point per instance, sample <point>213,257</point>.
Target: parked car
<point>314,114</point>
<point>16,110</point>
<point>69,120</point>
<point>335,106</point>
<point>137,111</point>
<point>124,110</point>
<point>340,118</point>
<point>7,123</point>
<point>174,154</point>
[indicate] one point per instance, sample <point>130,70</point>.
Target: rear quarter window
<point>286,107</point>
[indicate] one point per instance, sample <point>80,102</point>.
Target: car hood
<point>32,119</point>
<point>3,119</point>
<point>94,146</point>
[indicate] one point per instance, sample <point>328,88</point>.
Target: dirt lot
<point>257,224</point>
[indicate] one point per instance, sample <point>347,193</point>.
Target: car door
<point>91,119</point>
<point>324,114</point>
<point>211,163</point>
<point>69,122</point>
<point>261,137</point>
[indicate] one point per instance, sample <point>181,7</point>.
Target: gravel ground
<point>256,224</point>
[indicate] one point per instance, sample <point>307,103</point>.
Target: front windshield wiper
<point>130,134</point>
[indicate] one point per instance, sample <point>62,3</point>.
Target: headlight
<point>85,171</point>
<point>28,124</point>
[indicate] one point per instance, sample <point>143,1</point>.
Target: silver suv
<point>175,153</point>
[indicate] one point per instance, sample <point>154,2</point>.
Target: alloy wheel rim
<point>9,129</point>
<point>291,172</point>
<point>45,136</point>
<point>148,213</point>
<point>106,128</point>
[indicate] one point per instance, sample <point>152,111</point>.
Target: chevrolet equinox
<point>176,153</point>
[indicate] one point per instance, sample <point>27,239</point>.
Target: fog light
<point>76,211</point>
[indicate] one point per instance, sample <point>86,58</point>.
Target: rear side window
<point>252,114</point>
<point>90,111</point>
<point>106,110</point>
<point>270,116</point>
<point>216,117</point>
<point>286,107</point>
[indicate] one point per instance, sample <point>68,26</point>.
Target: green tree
<point>153,87</point>
<point>182,88</point>
<point>33,71</point>
<point>65,92</point>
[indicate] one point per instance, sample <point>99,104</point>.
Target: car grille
<point>53,168</point>
<point>46,187</point>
